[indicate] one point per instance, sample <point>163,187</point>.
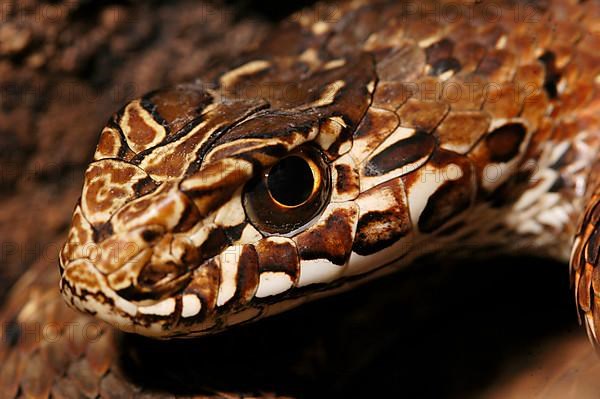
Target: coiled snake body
<point>342,150</point>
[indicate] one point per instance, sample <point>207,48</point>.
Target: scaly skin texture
<point>442,138</point>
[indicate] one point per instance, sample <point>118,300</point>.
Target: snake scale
<point>344,148</point>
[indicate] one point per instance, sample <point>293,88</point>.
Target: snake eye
<point>290,194</point>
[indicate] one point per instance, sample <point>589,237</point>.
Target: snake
<point>359,138</point>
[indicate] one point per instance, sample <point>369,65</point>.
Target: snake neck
<point>544,220</point>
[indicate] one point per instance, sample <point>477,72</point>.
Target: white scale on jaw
<point>162,308</point>
<point>229,260</point>
<point>273,283</point>
<point>191,305</point>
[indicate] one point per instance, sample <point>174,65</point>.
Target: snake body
<point>352,143</point>
<point>392,133</point>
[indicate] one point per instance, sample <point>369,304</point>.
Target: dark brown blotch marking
<point>559,184</point>
<point>552,76</point>
<point>278,257</point>
<point>102,232</point>
<point>205,284</point>
<point>235,232</point>
<point>346,181</point>
<point>189,217</point>
<point>377,230</point>
<point>331,240</point>
<point>504,142</point>
<point>400,154</point>
<point>452,198</point>
<point>445,65</point>
<point>150,235</point>
<point>145,186</point>
<point>216,241</point>
<point>247,275</point>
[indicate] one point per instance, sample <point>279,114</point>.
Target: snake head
<point>210,205</point>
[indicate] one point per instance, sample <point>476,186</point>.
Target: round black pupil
<point>291,181</point>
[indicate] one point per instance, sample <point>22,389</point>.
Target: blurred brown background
<point>500,329</point>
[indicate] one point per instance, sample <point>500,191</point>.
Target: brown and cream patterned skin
<point>440,136</point>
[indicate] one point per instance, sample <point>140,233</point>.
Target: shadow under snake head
<point>204,205</point>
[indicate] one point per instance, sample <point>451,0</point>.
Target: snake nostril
<point>150,235</point>
<point>156,281</point>
<point>153,274</point>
